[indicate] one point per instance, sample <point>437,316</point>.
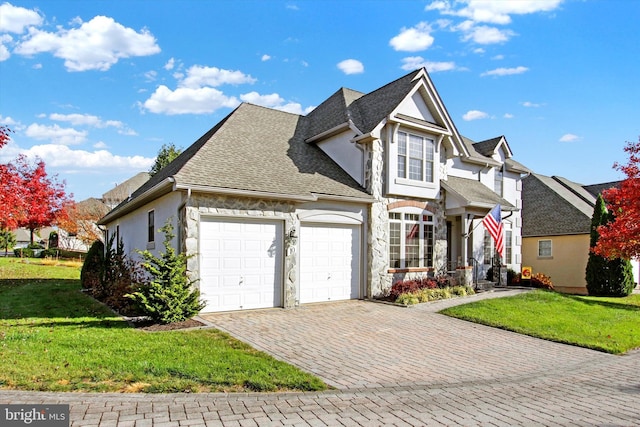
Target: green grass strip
<point>610,325</point>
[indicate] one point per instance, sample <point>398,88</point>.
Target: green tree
<point>166,154</point>
<point>606,277</point>
<point>169,296</point>
<point>7,240</point>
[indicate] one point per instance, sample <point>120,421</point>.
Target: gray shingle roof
<point>474,193</point>
<point>261,150</point>
<point>596,189</point>
<point>365,111</point>
<point>487,147</point>
<point>551,207</point>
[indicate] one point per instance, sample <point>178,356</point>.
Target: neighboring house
<point>279,209</point>
<point>120,192</point>
<point>81,228</point>
<point>556,226</point>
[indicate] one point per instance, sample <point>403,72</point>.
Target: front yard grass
<point>55,338</point>
<point>611,325</point>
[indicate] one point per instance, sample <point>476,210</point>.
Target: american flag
<point>493,223</point>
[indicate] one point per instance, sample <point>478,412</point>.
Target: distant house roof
<point>596,189</point>
<point>93,205</point>
<point>555,206</point>
<point>121,191</point>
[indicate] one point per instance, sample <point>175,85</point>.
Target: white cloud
<point>351,66</point>
<point>497,57</point>
<point>186,100</point>
<point>151,76</point>
<point>271,100</point>
<point>4,50</point>
<point>14,19</point>
<point>94,45</point>
<point>198,76</point>
<point>170,64</point>
<point>92,121</point>
<point>485,35</point>
<point>56,134</point>
<point>84,120</point>
<point>508,116</point>
<point>505,71</point>
<point>265,57</point>
<point>475,115</point>
<point>276,102</point>
<point>530,104</point>
<point>569,137</point>
<point>479,50</point>
<point>56,155</point>
<point>100,144</point>
<point>8,121</point>
<point>495,12</point>
<point>415,62</point>
<point>413,39</point>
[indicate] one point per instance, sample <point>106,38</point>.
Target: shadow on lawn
<point>607,304</point>
<point>44,300</point>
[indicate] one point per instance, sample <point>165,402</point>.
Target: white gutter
<point>245,193</point>
<point>327,133</point>
<point>160,188</point>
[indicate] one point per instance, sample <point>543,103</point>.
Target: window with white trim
<point>498,180</point>
<point>415,157</point>
<point>410,240</point>
<point>508,247</point>
<point>151,227</point>
<point>544,249</point>
<point>487,248</point>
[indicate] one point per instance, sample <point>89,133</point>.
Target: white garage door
<point>240,264</point>
<point>329,262</point>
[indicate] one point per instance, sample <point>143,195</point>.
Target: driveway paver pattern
<point>390,366</point>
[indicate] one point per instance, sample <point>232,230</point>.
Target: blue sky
<point>95,88</point>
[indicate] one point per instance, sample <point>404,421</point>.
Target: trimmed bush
<point>92,266</point>
<point>170,296</point>
<point>606,277</point>
<point>433,294</point>
<point>33,250</point>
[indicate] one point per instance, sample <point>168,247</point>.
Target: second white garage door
<point>240,264</point>
<point>329,262</point>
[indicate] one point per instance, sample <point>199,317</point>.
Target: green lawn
<point>607,324</point>
<point>55,338</point>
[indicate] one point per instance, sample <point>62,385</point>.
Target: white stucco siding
<point>346,154</point>
<point>414,106</point>
<point>460,169</point>
<point>133,227</point>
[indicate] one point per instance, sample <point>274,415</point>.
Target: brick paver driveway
<point>390,366</point>
<point>360,344</point>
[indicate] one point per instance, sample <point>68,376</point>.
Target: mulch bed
<point>149,326</point>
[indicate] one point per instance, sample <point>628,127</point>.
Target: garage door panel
<point>241,264</point>
<point>329,262</point>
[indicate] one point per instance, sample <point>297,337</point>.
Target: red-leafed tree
<point>621,237</point>
<point>4,135</point>
<point>11,201</point>
<point>44,197</point>
<point>28,196</point>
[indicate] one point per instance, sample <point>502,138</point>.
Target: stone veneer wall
<point>200,204</point>
<point>378,247</point>
<point>380,280</point>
